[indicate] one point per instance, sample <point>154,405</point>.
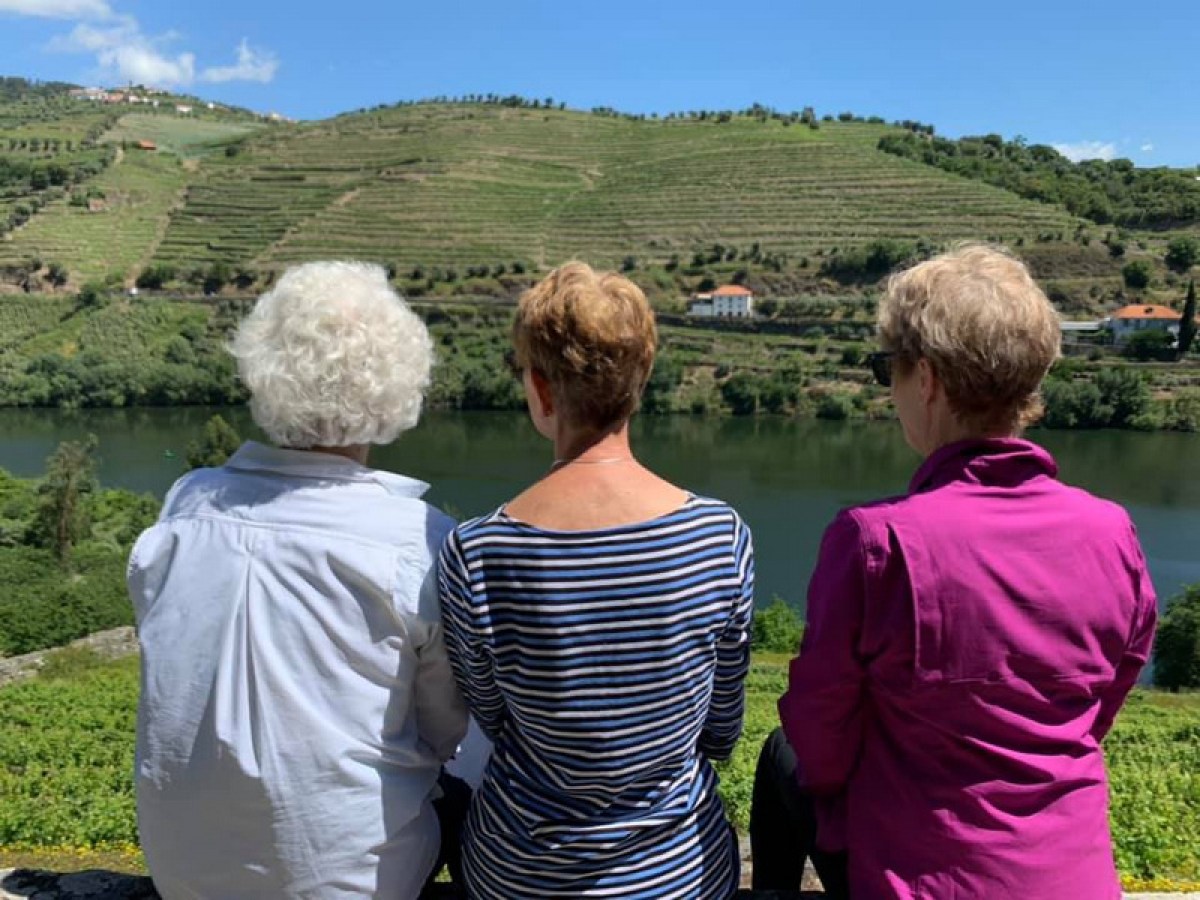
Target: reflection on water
<point>788,478</point>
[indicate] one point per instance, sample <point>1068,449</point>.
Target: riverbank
<point>113,352</point>
<point>66,796</point>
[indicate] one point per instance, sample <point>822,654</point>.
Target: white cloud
<point>1087,150</point>
<point>1147,148</point>
<point>125,53</point>
<point>252,65</point>
<point>58,9</point>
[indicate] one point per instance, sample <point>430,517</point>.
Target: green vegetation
<point>1103,191</point>
<point>63,546</point>
<point>1177,644</point>
<point>61,517</point>
<point>215,445</point>
<point>111,234</point>
<point>1187,321</point>
<point>99,350</point>
<point>435,189</point>
<point>187,137</point>
<point>777,628</point>
<point>66,758</point>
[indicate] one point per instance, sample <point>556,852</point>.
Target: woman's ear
<point>928,384</point>
<point>545,396</point>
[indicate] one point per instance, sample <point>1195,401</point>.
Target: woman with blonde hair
<point>598,625</point>
<point>970,642</point>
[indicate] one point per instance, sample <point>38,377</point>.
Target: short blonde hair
<point>592,337</point>
<point>333,357</point>
<point>984,325</point>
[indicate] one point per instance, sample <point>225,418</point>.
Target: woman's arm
<point>723,726</point>
<point>466,630</point>
<point>821,711</point>
<point>1139,646</point>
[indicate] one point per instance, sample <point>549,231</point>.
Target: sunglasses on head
<point>880,363</point>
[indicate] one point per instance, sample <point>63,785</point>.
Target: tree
<point>1125,392</point>
<point>1136,274</point>
<point>218,275</point>
<point>1152,343</point>
<point>156,276</point>
<point>215,446</point>
<point>1182,254</point>
<point>90,295</point>
<point>61,519</point>
<point>741,391</point>
<point>1177,645</point>
<point>1187,324</point>
<point>57,273</point>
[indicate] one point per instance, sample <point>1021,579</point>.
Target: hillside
<point>473,199</point>
<point>78,199</point>
<point>465,185</point>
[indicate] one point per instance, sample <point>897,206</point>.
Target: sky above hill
<point>1094,77</point>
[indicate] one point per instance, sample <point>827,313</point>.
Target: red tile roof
<point>1146,311</point>
<point>732,290</point>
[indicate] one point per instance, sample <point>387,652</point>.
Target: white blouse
<point>296,696</point>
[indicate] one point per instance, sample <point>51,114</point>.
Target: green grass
<point>67,747</point>
<point>184,136</point>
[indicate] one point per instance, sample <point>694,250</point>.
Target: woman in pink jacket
<point>969,642</point>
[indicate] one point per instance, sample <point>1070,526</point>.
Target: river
<point>786,477</point>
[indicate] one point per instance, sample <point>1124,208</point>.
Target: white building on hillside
<point>730,301</point>
<point>1129,320</point>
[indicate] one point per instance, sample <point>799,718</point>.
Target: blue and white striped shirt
<point>608,667</point>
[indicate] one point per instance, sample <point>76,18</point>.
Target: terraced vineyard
<point>448,185</point>
<point>134,196</point>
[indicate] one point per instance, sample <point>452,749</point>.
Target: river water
<point>786,477</point>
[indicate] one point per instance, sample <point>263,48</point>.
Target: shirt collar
<point>255,457</point>
<point>990,461</point>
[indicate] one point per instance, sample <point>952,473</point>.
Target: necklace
<point>559,463</point>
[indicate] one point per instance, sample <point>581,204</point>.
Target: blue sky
<point>1100,77</point>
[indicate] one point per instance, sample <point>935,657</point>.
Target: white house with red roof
<point>1137,317</point>
<point>729,301</point>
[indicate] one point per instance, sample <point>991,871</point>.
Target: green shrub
<point>1177,646</point>
<point>777,628</point>
<point>1152,343</point>
<point>835,407</point>
<point>1137,274</point>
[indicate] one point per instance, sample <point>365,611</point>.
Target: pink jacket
<point>968,646</point>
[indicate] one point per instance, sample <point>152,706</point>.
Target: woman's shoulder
<point>501,527</point>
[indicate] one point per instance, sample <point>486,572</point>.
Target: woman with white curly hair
<point>297,702</point>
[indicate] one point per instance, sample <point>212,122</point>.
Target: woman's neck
<point>356,452</point>
<point>575,446</point>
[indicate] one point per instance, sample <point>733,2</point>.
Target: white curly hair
<point>333,357</point>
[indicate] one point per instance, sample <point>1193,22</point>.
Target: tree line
<point>1105,191</point>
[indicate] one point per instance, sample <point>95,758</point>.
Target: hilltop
<point>474,198</point>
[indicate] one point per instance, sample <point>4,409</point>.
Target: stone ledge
<point>98,884</point>
<point>112,644</point>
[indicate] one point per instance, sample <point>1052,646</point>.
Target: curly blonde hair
<point>592,337</point>
<point>333,357</point>
<point>985,326</point>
